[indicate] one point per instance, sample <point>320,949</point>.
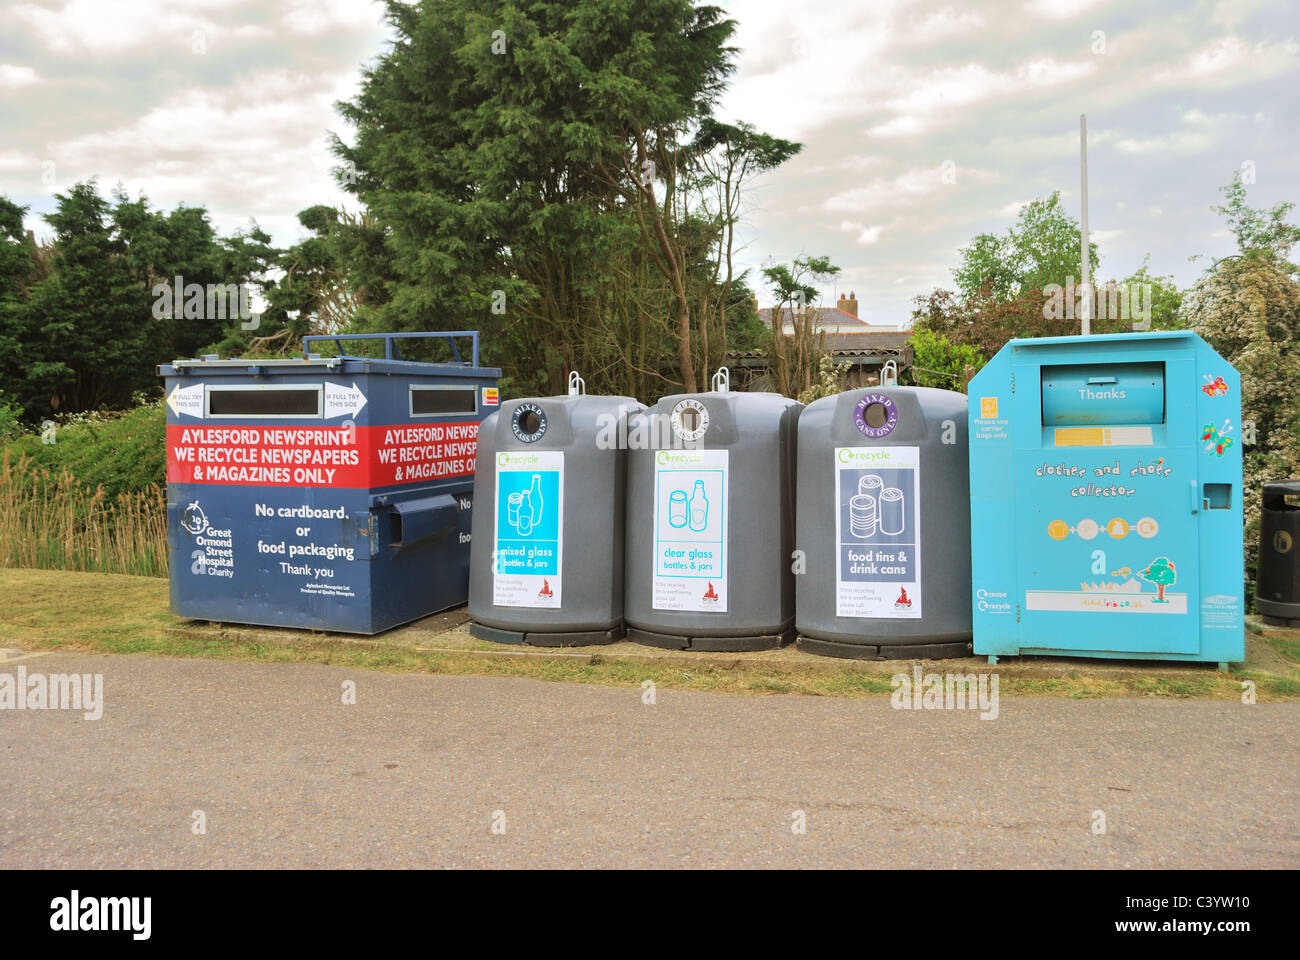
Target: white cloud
<point>1231,61</point>
<point>114,27</point>
<point>257,148</point>
<point>14,76</point>
<point>865,235</point>
<point>905,126</point>
<point>99,27</point>
<point>1058,9</point>
<point>946,92</point>
<point>899,192</point>
<point>17,160</point>
<point>313,17</point>
<point>944,23</point>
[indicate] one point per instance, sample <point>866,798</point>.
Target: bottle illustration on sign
<point>524,507</point>
<point>1160,571</point>
<point>535,498</point>
<point>699,508</point>
<point>677,509</point>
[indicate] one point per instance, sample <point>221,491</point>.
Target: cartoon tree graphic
<point>1160,572</point>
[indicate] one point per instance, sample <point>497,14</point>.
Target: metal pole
<point>1085,300</point>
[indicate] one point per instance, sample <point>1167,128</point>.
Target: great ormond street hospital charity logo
<point>194,519</point>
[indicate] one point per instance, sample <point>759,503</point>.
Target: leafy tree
<point>78,324</point>
<point>1164,300</point>
<point>17,270</point>
<point>1247,306</point>
<point>938,362</point>
<point>541,171</point>
<point>795,358</point>
<point>89,325</point>
<point>1040,249</point>
<point>159,246</point>
<point>1260,234</point>
<point>987,323</point>
<point>827,381</point>
<point>731,155</point>
<point>1014,285</point>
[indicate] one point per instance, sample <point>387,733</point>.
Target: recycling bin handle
<point>392,350</point>
<point>1196,497</point>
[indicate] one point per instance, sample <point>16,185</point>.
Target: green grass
<point>106,613</point>
<point>1286,643</point>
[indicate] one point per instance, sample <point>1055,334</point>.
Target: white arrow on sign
<point>186,400</point>
<point>340,399</point>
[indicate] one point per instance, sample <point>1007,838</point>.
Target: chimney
<point>849,305</point>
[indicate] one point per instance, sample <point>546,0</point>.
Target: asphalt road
<point>413,774</point>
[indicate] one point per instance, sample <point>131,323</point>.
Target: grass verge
<point>107,613</point>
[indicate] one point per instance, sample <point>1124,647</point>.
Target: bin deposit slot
<point>1217,496</point>
<point>427,518</point>
<point>529,422</point>
<point>264,401</point>
<point>443,400</point>
<point>1103,395</point>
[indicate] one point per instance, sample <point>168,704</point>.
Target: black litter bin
<point>1277,588</point>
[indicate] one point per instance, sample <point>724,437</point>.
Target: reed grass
<point>48,520</point>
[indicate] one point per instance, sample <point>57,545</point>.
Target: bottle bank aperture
<point>1106,510</point>
<point>331,493</point>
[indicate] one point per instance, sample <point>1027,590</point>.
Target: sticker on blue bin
<point>530,521</point>
<point>690,544</point>
<point>877,532</point>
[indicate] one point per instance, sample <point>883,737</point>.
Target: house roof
<point>823,317</point>
<point>868,341</point>
<point>863,345</point>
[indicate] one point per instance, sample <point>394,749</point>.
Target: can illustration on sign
<point>690,570</point>
<point>877,532</point>
<point>529,508</point>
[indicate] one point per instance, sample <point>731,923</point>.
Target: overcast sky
<point>227,104</point>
